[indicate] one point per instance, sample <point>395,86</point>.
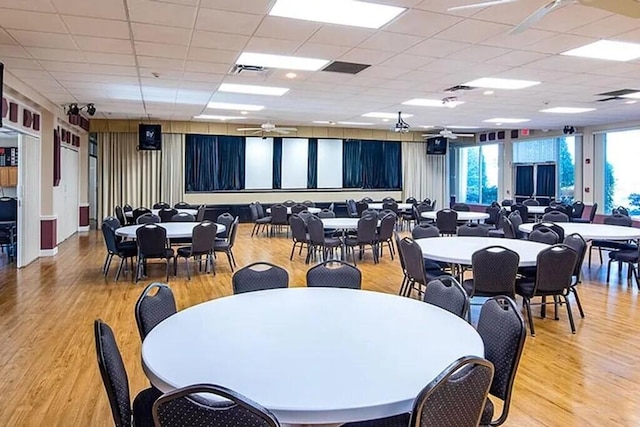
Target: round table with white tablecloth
<point>401,206</point>
<point>175,230</point>
<point>194,212</point>
<point>311,210</point>
<point>368,359</point>
<point>593,231</point>
<point>462,216</point>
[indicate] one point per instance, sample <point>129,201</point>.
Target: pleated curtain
<point>424,176</point>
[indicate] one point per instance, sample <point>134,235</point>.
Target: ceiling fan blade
<point>465,135</point>
<point>288,129</point>
<point>538,15</point>
<point>281,131</point>
<point>452,136</point>
<point>630,8</point>
<point>483,4</point>
<point>430,135</point>
<point>247,129</point>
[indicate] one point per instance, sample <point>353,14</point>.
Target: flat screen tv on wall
<point>149,137</point>
<point>437,145</point>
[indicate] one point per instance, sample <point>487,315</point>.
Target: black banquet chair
<point>116,382</point>
<point>259,276</point>
<point>202,244</point>
<point>138,212</point>
<point>447,221</point>
<point>298,234</point>
<point>148,218</point>
<point>188,406</point>
<point>152,240</point>
<point>226,245</point>
<point>494,272</point>
<point>447,293</point>
<point>166,214</point>
<point>153,308</point>
<point>125,250</point>
<point>334,274</point>
<point>365,236</point>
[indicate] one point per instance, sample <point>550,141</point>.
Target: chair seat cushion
<point>495,233</point>
<point>612,244</point>
<point>184,251</point>
<point>487,413</point>
<point>525,287</point>
<point>128,252</point>
<point>127,244</point>
<point>221,245</point>
<point>168,253</point>
<point>142,407</point>
<point>431,265</point>
<point>624,256</point>
<point>264,220</point>
<point>332,242</point>
<point>395,421</point>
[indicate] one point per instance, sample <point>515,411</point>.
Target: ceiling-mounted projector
<point>401,126</point>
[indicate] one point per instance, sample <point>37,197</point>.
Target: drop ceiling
<point>110,52</point>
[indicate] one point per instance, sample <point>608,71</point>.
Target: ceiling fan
<point>630,8</point>
<point>268,127</point>
<point>446,133</point>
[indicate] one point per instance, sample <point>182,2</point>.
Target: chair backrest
<point>493,212</point>
<point>289,203</point>
<point>361,206</point>
<point>461,207</point>
<point>507,202</point>
<point>421,208</point>
<point>531,202</point>
<point>620,210</point>
<point>110,238</point>
<point>516,219</point>
<point>259,276</point>
<point>369,212</point>
<point>203,237</point>
<point>447,293</point>
<point>434,202</point>
<point>367,199</point>
<point>385,212</point>
<point>8,208</point>
<point>555,216</point>
<point>166,214</point>
<point>298,207</point>
<point>387,226</point>
<point>618,219</point>
<point>120,215</point>
<point>424,231</point>
<point>326,213</point>
<point>503,333</point>
<point>279,214</point>
<point>153,309</point>
<point>578,209</point>
<point>334,274</point>
<point>226,219</point>
<point>579,245</point>
<point>112,222</point>
<point>187,407</point>
<point>332,206</point>
<point>183,217</point>
<point>127,207</point>
<point>182,205</point>
<point>260,209</point>
<point>161,205</point>
<point>392,205</point>
<point>396,238</point>
<point>413,260</point>
<point>554,269</point>
<point>473,229</point>
<point>522,209</point>
<point>411,200</point>
<point>152,240</point>
<point>114,374</point>
<point>508,228</point>
<point>367,226</point>
<point>138,212</point>
<point>298,228</point>
<point>592,214</point>
<point>494,271</point>
<point>555,227</point>
<point>148,218</point>
<point>254,212</point>
<point>309,204</point>
<point>234,232</point>
<point>456,398</point>
<point>544,235</point>
<point>447,221</point>
<point>351,207</point>
<point>202,209</point>
<point>316,230</point>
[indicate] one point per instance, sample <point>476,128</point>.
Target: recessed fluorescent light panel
<point>494,83</point>
<point>253,90</point>
<point>386,115</point>
<point>566,110</point>
<point>506,120</point>
<point>280,61</point>
<point>634,95</point>
<point>607,49</point>
<point>420,102</point>
<point>355,123</point>
<point>342,12</point>
<point>214,117</point>
<point>237,107</point>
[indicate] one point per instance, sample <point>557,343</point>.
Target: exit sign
<point>524,132</point>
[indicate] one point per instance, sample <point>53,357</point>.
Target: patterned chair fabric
<point>166,214</point>
<point>148,218</point>
<point>494,272</point>
<point>138,212</point>
<point>365,236</point>
<point>473,230</point>
<point>120,215</point>
<point>183,217</point>
<point>385,233</point>
<point>544,235</point>
<point>516,219</point>
<point>503,333</point>
<point>116,247</point>
<point>425,231</point>
<point>202,243</point>
<point>447,221</point>
<point>445,292</point>
<point>298,233</point>
<point>152,240</point>
<point>225,219</point>
<point>112,222</point>
<point>153,309</point>
<point>578,209</point>
<point>226,245</point>
<point>555,216</point>
<point>531,202</point>
<point>318,242</point>
<point>327,275</point>
<point>461,207</point>
<point>522,210</point>
<point>161,205</point>
<point>182,205</point>
<point>259,276</point>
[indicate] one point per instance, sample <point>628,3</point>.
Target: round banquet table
<point>341,223</point>
<point>174,229</point>
<point>536,210</point>
<point>458,250</point>
<point>311,210</point>
<point>401,206</point>
<point>593,231</point>
<point>281,349</point>
<point>462,216</point>
<point>194,212</point>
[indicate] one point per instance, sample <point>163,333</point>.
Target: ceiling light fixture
<point>244,113</point>
<point>253,89</point>
<point>291,75</point>
<point>633,95</point>
<point>495,83</point>
<point>281,61</point>
<point>342,12</point>
<point>377,115</point>
<point>501,120</point>
<point>567,110</point>
<point>631,102</point>
<point>608,50</point>
<point>488,92</point>
<point>215,117</point>
<point>230,106</point>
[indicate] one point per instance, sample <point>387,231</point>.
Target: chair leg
<point>107,265</point>
<point>186,261</point>
<point>556,301</point>
<point>527,305</point>
<point>292,250</point>
<point>590,250</point>
<point>119,268</point>
<point>104,266</point>
<point>138,267</point>
<point>230,261</point>
<point>609,269</point>
<point>600,254</point>
<point>168,267</point>
<point>570,314</point>
<point>575,294</point>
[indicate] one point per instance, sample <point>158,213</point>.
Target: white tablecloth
<point>311,210</point>
<point>194,212</point>
<point>401,206</point>
<point>462,216</point>
<point>174,229</point>
<point>593,231</point>
<point>311,355</point>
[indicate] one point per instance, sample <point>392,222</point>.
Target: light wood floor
<point>49,375</point>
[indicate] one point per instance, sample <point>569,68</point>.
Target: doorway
<point>28,199</point>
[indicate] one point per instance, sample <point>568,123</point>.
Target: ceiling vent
<point>345,67</point>
<point>458,88</point>
<point>616,94</point>
<point>250,70</point>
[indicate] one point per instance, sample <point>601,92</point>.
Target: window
<point>477,168</point>
<point>621,178</point>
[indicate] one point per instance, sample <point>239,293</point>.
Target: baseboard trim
<point>83,228</point>
<point>49,252</point>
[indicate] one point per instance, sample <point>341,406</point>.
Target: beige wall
<point>46,163</point>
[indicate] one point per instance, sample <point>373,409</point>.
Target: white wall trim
<point>49,252</point>
<point>83,228</point>
<point>83,205</point>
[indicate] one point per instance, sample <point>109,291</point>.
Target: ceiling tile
<point>341,36</point>
<point>213,40</point>
<point>517,58</point>
<point>38,39</point>
<point>607,27</point>
<point>247,6</point>
<point>5,38</point>
<point>227,22</point>
<point>520,40</point>
<point>393,42</point>
<point>56,54</point>
<point>436,48</point>
<point>101,44</point>
<point>407,61</point>
<point>161,34</point>
<point>511,14</point>
<point>13,51</point>
<point>570,17</point>
<point>97,27</point>
<point>472,31</point>
<point>212,55</point>
<point>560,43</point>
<point>203,77</point>
<point>160,64</point>
<point>161,50</point>
<point>93,8</point>
<point>319,50</point>
<point>366,56</point>
<point>13,63</point>
<point>34,5</point>
<point>384,72</point>
<point>206,67</point>
<point>478,53</point>
<point>110,58</point>
<point>421,23</point>
<point>272,46</point>
<point>155,12</point>
<point>287,29</point>
<point>33,21</point>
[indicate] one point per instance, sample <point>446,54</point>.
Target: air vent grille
<point>345,67</point>
<point>250,69</point>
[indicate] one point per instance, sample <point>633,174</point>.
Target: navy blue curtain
<point>231,158</point>
<point>546,180</point>
<point>392,156</point>
<point>312,165</point>
<point>277,163</point>
<point>524,181</point>
<point>351,164</point>
<point>372,157</point>
<point>201,154</point>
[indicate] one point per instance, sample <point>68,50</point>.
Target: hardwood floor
<point>49,374</point>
